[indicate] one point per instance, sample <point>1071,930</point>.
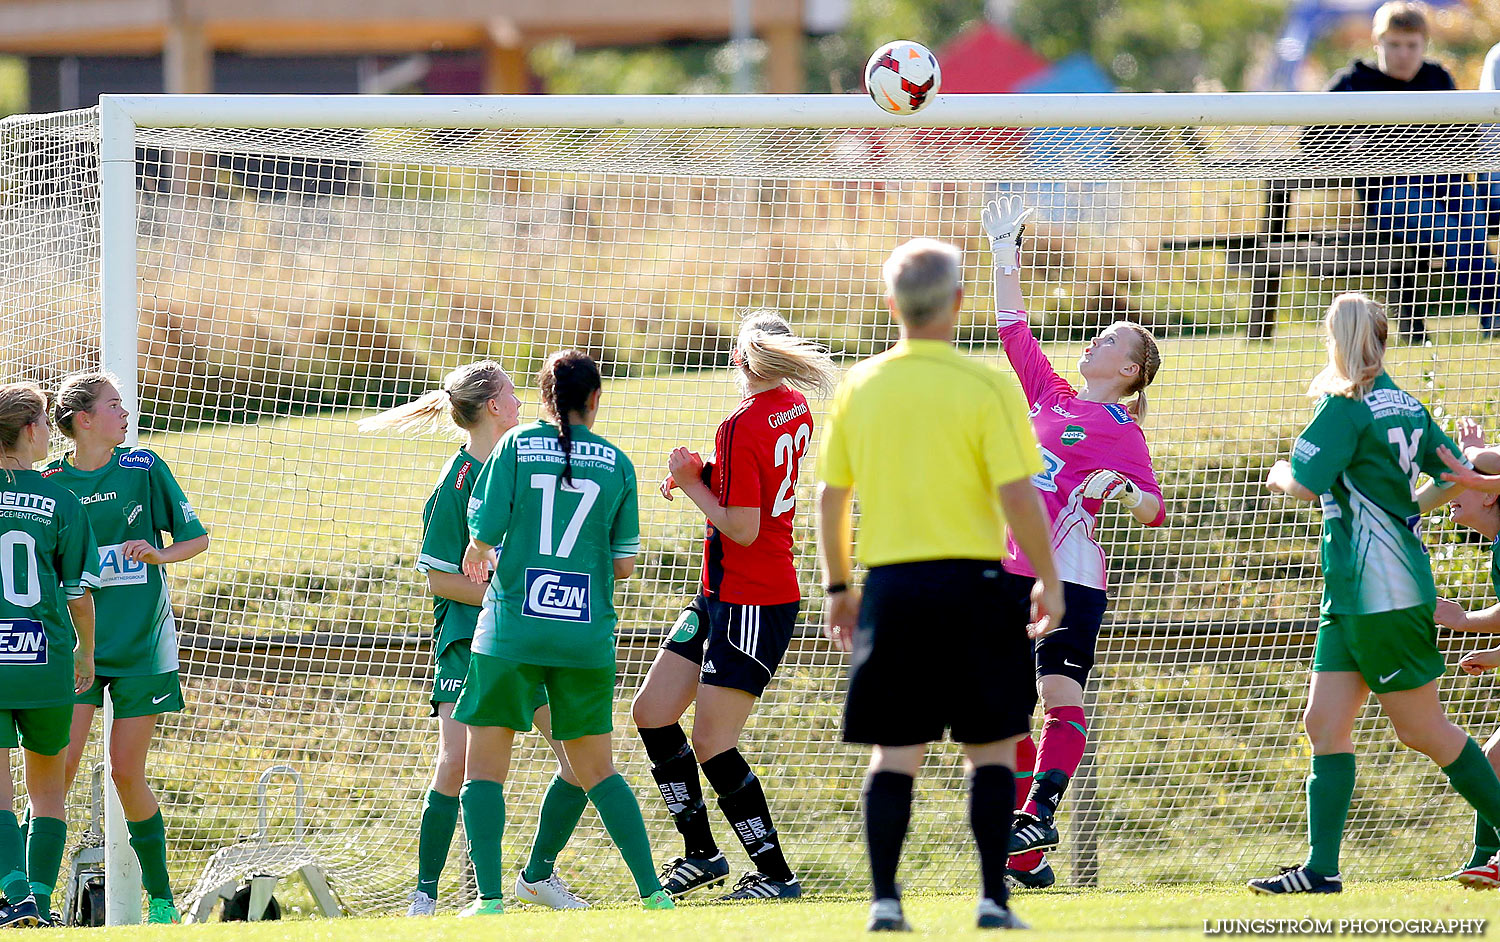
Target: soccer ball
<point>903,76</point>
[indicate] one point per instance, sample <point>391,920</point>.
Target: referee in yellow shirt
<point>942,453</point>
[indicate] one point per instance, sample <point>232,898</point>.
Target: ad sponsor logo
<point>115,569</point>
<point>29,503</point>
<point>560,596</point>
<point>96,498</point>
<point>137,459</point>
<point>22,641</point>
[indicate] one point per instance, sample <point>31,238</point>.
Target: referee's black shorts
<point>937,649</point>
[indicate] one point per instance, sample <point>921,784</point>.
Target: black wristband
<point>834,588</point>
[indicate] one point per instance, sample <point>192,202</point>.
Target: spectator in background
<point>1489,183</point>
<point>1443,211</point>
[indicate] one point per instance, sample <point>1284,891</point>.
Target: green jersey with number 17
<point>133,497</point>
<point>551,602</point>
<point>47,557</point>
<point>1363,456</point>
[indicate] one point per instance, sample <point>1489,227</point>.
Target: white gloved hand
<point>1102,485</point>
<point>1004,220</point>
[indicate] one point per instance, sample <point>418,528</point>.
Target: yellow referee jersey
<point>925,435</point>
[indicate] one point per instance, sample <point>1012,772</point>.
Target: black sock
<point>992,795</point>
<point>1047,791</point>
<point>675,769</point>
<point>887,815</point>
<point>743,802</point>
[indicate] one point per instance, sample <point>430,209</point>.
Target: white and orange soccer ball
<point>903,76</point>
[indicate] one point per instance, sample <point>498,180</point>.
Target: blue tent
<point>1075,74</point>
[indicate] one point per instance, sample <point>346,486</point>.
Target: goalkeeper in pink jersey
<point>1093,450</point>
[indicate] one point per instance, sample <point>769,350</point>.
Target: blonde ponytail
<point>1355,331</point>
<point>458,405</point>
<point>769,352</point>
<point>1148,357</point>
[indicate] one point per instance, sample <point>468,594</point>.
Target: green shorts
<point>501,692</point>
<point>453,666</point>
<point>42,730</point>
<point>146,695</point>
<point>1392,651</point>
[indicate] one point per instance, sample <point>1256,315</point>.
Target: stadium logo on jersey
<point>22,641</point>
<point>458,482</point>
<point>137,459</point>
<point>96,498</point>
<point>779,419</point>
<point>133,513</point>
<point>560,596</point>
<point>1072,435</point>
<point>27,503</point>
<point>116,569</point>
<point>1119,413</point>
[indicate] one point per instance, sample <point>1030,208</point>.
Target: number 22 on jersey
<point>790,450</point>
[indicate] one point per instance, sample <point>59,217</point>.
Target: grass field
<point>1178,912</point>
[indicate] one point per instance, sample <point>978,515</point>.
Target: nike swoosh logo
<point>1067,663</point>
<point>163,698</point>
<point>1387,678</point>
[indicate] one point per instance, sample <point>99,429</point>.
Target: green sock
<point>621,815</point>
<point>439,821</point>
<point>1474,778</point>
<point>561,809</point>
<point>44,854</point>
<point>149,840</point>
<point>1486,841</point>
<point>13,880</point>
<point>484,824</point>
<point>1330,789</point>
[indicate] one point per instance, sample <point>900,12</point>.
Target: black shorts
<point>1068,649</point>
<point>938,649</point>
<point>735,646</point>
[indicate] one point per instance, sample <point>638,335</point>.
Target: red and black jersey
<point>757,454</point>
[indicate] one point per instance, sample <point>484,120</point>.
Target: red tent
<point>986,58</point>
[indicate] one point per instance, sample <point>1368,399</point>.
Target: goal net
<point>291,280</point>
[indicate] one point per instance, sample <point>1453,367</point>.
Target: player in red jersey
<point>726,645</point>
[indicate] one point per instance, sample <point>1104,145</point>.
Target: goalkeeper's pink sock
<point>1064,737</point>
<point>1025,768</point>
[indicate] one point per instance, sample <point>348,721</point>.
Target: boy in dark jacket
<point>1442,211</point>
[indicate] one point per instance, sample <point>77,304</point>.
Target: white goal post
<point>278,304</point>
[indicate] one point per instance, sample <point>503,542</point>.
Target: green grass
<point>1172,912</point>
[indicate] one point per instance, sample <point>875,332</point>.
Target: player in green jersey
<point>132,499</point>
<point>562,503</point>
<point>480,401</point>
<point>1361,456</point>
<point>48,560</point>
<point>1476,506</point>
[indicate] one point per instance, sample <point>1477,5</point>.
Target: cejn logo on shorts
<point>22,641</point>
<point>116,569</point>
<point>560,596</point>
